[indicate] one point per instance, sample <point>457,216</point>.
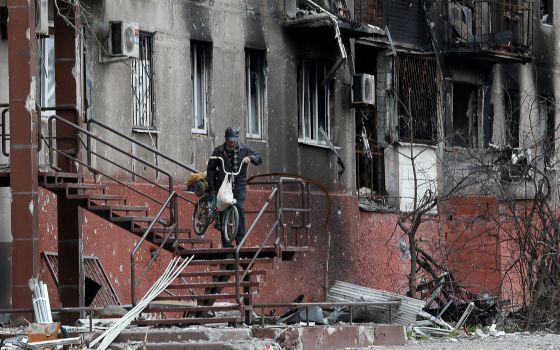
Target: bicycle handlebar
<point>224,166</point>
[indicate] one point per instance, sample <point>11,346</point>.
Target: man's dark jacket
<point>215,173</point>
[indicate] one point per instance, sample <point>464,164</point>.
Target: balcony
<point>489,30</point>
<point>321,14</point>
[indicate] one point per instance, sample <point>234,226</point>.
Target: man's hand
<point>246,160</point>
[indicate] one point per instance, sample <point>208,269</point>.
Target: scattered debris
<point>405,313</point>
<point>175,267</point>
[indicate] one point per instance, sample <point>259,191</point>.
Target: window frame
<point>142,123</point>
<point>48,96</point>
<point>260,56</point>
<point>308,133</point>
<point>204,49</point>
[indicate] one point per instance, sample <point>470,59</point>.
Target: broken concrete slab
<point>327,337</point>
<point>177,334</point>
<point>390,335</point>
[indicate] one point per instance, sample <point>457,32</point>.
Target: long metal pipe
<point>137,247</point>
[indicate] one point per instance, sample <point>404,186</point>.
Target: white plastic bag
<point>225,195</point>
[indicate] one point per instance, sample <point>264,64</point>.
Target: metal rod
<point>95,137</point>
<point>107,176</point>
<point>141,144</point>
<point>238,249</point>
<point>137,247</point>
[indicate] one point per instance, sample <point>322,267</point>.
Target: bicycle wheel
<point>201,217</point>
<point>230,224</point>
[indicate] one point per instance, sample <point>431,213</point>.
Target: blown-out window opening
<point>143,89</point>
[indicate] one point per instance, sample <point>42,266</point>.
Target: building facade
<point>457,85</point>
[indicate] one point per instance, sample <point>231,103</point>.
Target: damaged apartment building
<point>110,107</point>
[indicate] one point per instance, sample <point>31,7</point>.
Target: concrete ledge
<point>297,338</point>
<point>176,334</point>
<point>390,334</point>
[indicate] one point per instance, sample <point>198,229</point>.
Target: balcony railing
<point>502,27</point>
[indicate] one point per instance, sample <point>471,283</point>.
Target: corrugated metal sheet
<point>404,314</point>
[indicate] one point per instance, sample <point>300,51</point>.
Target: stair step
<point>84,185</point>
<point>218,273</point>
<point>63,174</point>
<point>225,253</point>
<point>201,296</point>
<point>98,197</point>
<point>184,321</point>
<point>136,219</point>
<point>185,240</point>
<point>228,261</point>
<point>212,285</point>
<point>158,229</point>
<point>212,251</point>
<point>118,207</point>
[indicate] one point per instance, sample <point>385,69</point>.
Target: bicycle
<point>205,212</point>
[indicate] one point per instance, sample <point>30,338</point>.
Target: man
<point>234,155</point>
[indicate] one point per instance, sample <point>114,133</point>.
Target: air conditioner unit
<point>42,17</point>
<point>363,89</point>
<point>124,39</point>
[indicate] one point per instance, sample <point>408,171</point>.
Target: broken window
<point>370,162</point>
<point>143,93</point>
<point>467,115</point>
<point>547,110</point>
<point>313,101</point>
<point>3,23</point>
<point>546,11</point>
<point>200,58</point>
<point>256,92</point>
<point>416,93</point>
<point>512,109</point>
<point>47,80</point>
<point>369,12</point>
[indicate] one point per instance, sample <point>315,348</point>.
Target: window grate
<point>417,91</point>
<point>143,89</point>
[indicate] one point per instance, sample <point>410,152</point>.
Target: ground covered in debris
<point>514,341</point>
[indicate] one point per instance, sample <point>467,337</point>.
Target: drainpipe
<point>343,54</point>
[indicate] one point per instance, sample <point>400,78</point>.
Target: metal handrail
<point>90,136</point>
<point>141,144</point>
<point>276,193</point>
<point>238,249</point>
<point>133,282</point>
